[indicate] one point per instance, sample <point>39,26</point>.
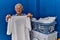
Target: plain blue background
<point>39,8</point>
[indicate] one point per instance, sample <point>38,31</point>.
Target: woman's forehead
<point>18,6</point>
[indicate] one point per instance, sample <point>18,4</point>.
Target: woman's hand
<point>29,15</point>
<point>8,17</point>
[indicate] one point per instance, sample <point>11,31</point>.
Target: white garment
<point>47,19</point>
<point>19,27</point>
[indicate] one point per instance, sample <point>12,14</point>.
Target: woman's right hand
<point>8,17</point>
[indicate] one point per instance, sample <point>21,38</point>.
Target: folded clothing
<point>47,19</point>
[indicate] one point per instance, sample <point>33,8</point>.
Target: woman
<point>18,9</point>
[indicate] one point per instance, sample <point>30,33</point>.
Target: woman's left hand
<point>29,15</point>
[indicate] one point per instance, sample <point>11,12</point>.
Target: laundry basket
<point>45,28</point>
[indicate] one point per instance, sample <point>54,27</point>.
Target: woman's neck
<point>18,14</point>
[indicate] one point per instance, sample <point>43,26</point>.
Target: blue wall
<point>32,7</point>
<point>39,8</point>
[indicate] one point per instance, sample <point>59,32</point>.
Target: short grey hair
<point>18,4</point>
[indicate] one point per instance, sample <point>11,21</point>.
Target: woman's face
<point>18,9</point>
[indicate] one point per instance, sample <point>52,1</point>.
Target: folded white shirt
<point>47,20</point>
